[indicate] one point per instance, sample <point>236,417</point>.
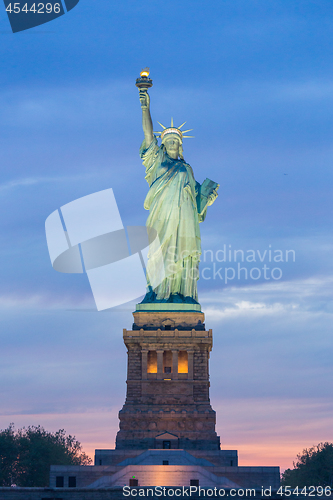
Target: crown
<point>174,130</point>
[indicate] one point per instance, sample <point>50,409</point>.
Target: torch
<point>144,82</point>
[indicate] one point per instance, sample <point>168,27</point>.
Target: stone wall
<point>172,402</point>
<point>85,474</point>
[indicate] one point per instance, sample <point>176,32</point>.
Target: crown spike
<point>171,122</point>
<point>182,125</point>
<point>188,136</point>
<point>162,125</point>
<point>189,130</point>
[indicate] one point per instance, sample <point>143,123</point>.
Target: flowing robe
<point>171,201</point>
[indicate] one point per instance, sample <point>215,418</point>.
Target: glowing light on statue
<point>144,73</point>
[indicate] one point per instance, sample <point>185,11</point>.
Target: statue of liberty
<point>176,204</point>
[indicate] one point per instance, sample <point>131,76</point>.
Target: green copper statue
<point>176,204</point>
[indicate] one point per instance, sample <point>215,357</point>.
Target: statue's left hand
<point>212,197</point>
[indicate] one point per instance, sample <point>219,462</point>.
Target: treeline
<point>26,455</point>
<point>313,467</point>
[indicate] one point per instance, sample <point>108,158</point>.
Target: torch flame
<point>144,72</point>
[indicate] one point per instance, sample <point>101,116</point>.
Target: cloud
<point>45,301</point>
<point>31,181</point>
<point>82,106</point>
<point>257,308</point>
<point>308,294</point>
<point>310,90</point>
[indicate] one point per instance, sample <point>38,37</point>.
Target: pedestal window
<point>182,362</point>
<point>152,362</point>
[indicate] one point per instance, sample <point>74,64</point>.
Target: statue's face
<point>172,145</point>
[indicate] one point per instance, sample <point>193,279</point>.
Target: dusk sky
<point>254,79</point>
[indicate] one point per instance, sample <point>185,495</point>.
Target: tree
<point>26,455</point>
<point>314,467</point>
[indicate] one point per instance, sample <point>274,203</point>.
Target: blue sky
<point>254,81</point>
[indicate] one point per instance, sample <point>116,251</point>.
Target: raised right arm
<point>147,123</point>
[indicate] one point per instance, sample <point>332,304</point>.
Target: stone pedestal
<point>167,403</point>
<point>167,426</point>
